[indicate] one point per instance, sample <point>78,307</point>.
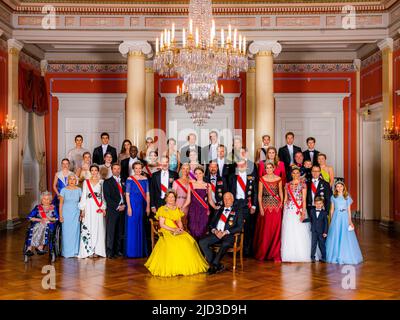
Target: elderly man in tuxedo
<point>227,221</point>
<point>161,181</point>
<point>318,187</point>
<point>286,153</point>
<point>191,146</point>
<point>114,194</point>
<point>243,185</point>
<point>100,151</point>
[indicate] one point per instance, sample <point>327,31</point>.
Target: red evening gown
<point>267,239</point>
<point>279,170</point>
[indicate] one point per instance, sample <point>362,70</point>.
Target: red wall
<point>371,83</point>
<point>3,144</point>
<point>331,83</point>
<point>396,145</point>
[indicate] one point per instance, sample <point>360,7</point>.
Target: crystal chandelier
<point>200,109</point>
<point>391,133</point>
<point>202,58</point>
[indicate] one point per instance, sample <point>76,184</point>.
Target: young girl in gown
<point>341,244</point>
<point>176,252</point>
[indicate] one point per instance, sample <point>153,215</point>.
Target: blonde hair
<point>276,159</point>
<point>345,192</point>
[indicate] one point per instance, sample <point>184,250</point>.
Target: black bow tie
<point>318,211</point>
<point>227,209</point>
<point>311,150</point>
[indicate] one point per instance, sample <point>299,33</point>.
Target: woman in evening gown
<point>326,170</point>
<point>199,196</point>
<point>75,155</point>
<point>138,201</point>
<point>267,239</point>
<point>173,154</point>
<point>176,252</point>
<point>296,235</point>
<point>60,180</point>
<point>93,227</point>
<point>69,217</point>
<point>272,156</point>
<point>341,245</point>
<point>83,173</point>
<point>181,187</point>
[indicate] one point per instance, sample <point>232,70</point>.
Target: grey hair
<point>72,175</point>
<point>45,194</point>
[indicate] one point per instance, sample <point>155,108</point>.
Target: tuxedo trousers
<point>207,242</point>
<point>115,226</point>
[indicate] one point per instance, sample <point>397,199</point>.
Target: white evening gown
<point>296,235</point>
<point>93,227</point>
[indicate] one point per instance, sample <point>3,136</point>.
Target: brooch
<point>250,187</point>
<point>220,183</point>
<point>249,193</point>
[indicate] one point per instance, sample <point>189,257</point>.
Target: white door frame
<point>375,114</point>
<point>72,105</point>
<point>304,109</point>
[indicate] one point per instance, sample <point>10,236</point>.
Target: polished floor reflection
<point>377,278</point>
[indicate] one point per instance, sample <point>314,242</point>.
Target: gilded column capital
<point>386,44</point>
<point>265,48</point>
<point>14,46</point>
<point>135,48</point>
<point>357,64</point>
<point>43,67</point>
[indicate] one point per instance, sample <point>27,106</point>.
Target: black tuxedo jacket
<point>323,190</point>
<point>185,154</point>
<point>251,189</point>
<point>226,170</point>
<point>284,156</point>
<point>98,154</point>
<point>221,186</point>
<point>318,225</point>
<point>234,222</point>
<point>112,195</point>
<point>125,167</point>
<point>155,187</point>
<point>306,155</point>
<point>251,169</point>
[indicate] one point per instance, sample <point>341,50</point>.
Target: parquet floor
<point>377,278</point>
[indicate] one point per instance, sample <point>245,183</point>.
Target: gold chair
<point>154,232</point>
<point>237,247</point>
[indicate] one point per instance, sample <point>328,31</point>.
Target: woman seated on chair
<point>42,219</point>
<point>176,252</point>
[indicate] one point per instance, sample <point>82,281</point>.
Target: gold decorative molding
<point>135,54</point>
<point>14,52</point>
<point>148,70</point>
<point>251,70</point>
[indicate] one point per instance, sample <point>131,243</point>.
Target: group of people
<point>287,203</point>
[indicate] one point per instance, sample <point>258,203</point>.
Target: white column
<point>357,66</point>
<point>135,115</point>
<point>264,123</point>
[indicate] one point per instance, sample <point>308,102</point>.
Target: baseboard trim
<point>390,225</point>
<point>14,223</point>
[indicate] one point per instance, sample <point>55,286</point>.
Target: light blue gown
<point>71,225</point>
<point>135,235</point>
<point>341,244</point>
<point>173,162</point>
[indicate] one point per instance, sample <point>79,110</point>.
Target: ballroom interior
<point>328,69</point>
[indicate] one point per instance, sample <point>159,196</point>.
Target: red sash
<point>164,188</point>
<point>213,187</point>
<point>269,189</point>
<point>197,196</point>
<point>41,212</point>
<point>243,186</point>
<point>119,188</point>
<point>294,200</point>
<point>98,204</point>
<point>313,188</point>
<point>148,170</point>
<point>139,187</point>
<point>182,186</point>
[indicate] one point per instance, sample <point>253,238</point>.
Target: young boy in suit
<point>319,228</point>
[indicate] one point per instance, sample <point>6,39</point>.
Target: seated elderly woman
<point>43,218</point>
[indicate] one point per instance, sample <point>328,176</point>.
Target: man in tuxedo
<point>192,146</point>
<point>126,164</point>
<point>225,168</point>
<point>100,151</point>
<point>261,153</point>
<point>218,185</point>
<point>161,181</point>
<point>318,187</point>
<point>243,186</point>
<point>210,152</point>
<point>286,153</point>
<point>114,191</point>
<point>225,223</point>
<point>318,217</point>
<point>311,154</point>
<point>251,167</point>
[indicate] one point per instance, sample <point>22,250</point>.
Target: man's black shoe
<point>212,270</point>
<point>220,268</point>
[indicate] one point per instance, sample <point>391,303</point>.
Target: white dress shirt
<point>164,181</point>
<point>315,182</point>
<point>262,154</point>
<point>131,162</point>
<point>290,148</point>
<point>212,153</point>
<point>118,179</point>
<point>104,147</point>
<point>221,224</point>
<point>317,212</point>
<point>239,191</point>
<point>311,155</point>
<point>221,163</point>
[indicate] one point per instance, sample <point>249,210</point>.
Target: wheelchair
<point>54,243</point>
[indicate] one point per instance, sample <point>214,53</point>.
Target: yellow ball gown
<point>175,255</point>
